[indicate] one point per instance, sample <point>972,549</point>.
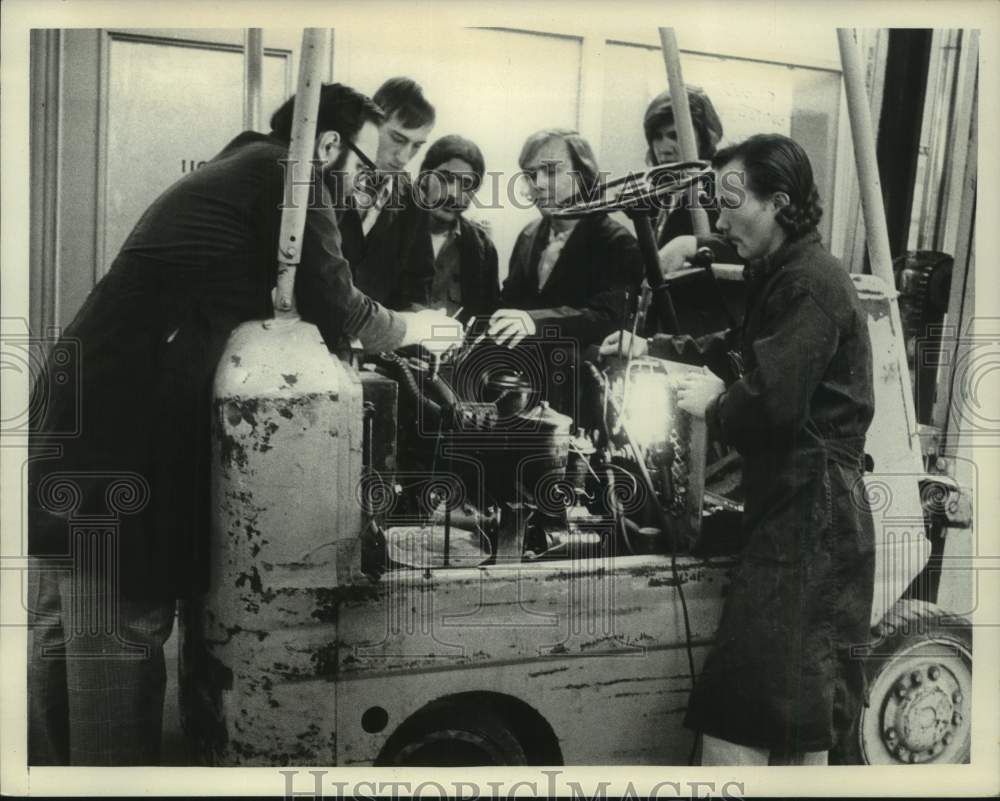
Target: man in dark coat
<point>200,261</point>
<point>376,228</point>
<point>451,262</point>
<point>780,682</point>
<point>570,274</point>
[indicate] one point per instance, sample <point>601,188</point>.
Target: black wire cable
<point>647,479</point>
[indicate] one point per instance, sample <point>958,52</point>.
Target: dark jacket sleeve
<point>325,293</point>
<point>769,404</point>
<point>680,223</point>
<point>710,350</point>
<point>490,299</point>
<point>724,251</point>
<point>617,266</point>
<point>515,286</point>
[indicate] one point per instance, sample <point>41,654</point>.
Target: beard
<point>444,218</point>
<point>340,186</point>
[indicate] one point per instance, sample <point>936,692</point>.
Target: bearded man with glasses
<point>201,260</point>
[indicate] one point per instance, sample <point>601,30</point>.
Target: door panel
<point>157,89</point>
<point>138,109</point>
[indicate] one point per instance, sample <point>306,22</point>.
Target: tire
<point>918,705</point>
<point>455,736</point>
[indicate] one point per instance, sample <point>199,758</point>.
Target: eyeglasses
<point>357,151</point>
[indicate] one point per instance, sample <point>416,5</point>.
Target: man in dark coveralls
<point>779,682</point>
<point>201,260</point>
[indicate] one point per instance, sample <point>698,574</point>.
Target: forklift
<point>417,563</point>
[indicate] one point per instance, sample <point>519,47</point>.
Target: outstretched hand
<point>509,326</point>
<point>610,345</point>
<point>433,330</point>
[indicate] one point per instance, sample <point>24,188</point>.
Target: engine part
<point>509,390</point>
<point>578,468</point>
<point>426,546</point>
<point>535,452</point>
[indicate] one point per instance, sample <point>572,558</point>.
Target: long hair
<point>707,125</point>
<point>581,155</point>
<point>775,163</point>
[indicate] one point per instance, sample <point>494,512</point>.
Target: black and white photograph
<point>460,400</point>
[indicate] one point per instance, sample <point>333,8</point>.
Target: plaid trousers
<point>96,672</point>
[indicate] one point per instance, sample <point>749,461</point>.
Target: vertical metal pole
<point>665,316</point>
<point>961,304</point>
<point>298,177</point>
<point>46,92</point>
<point>253,77</point>
<point>958,137</point>
<point>876,233</point>
<point>682,116</point>
<point>332,48</point>
<point>863,136</point>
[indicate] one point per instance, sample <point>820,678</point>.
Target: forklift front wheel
<point>454,736</point>
<point>918,708</point>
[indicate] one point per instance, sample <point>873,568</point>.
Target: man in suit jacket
<point>200,261</point>
<point>451,261</point>
<point>374,230</point>
<point>571,274</point>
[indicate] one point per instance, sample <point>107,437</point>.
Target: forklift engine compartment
<point>489,470</point>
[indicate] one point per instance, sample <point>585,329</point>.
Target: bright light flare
<point>647,407</point>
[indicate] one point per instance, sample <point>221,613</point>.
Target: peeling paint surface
<point>286,525</point>
<point>590,647</point>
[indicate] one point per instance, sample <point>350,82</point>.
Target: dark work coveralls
<point>200,261</point>
<point>779,676</point>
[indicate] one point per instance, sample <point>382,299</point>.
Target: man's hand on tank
<point>610,345</point>
<point>696,390</point>
<point>509,326</point>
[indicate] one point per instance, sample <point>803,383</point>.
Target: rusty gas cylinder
<point>287,439</point>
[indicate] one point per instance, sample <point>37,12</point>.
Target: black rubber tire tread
<point>481,720</point>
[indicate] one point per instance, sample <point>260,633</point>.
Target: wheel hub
<point>922,713</point>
